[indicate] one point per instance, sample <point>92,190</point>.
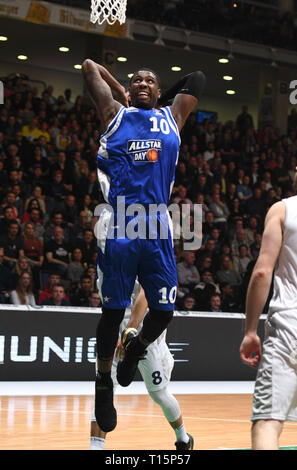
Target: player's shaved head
<point>146,69</point>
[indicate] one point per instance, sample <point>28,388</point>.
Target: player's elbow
<point>262,273</point>
<point>195,84</point>
<point>200,76</point>
<point>88,65</point>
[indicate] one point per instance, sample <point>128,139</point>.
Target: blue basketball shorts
<point>121,259</point>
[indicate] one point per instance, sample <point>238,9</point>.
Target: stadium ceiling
<point>40,43</point>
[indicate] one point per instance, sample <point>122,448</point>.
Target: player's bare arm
<point>138,310</point>
<point>186,93</point>
<point>102,87</point>
<point>259,285</point>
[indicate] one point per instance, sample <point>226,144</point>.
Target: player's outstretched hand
<point>120,351</point>
<point>250,350</point>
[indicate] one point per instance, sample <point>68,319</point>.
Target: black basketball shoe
<point>134,352</point>
<point>180,445</point>
<point>105,412</point>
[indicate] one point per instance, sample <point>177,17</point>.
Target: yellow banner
<point>38,13</point>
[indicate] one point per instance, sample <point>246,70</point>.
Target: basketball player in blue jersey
<point>136,164</point>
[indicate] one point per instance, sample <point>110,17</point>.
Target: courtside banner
<point>51,343</point>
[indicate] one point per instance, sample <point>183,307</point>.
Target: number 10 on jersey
<point>168,298</point>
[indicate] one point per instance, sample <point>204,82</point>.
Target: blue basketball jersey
<point>137,156</point>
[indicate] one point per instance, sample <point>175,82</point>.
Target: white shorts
<point>275,395</point>
<point>157,366</point>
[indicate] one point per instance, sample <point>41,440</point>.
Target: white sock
<point>181,434</point>
<point>97,443</point>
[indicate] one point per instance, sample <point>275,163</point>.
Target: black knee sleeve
<point>154,323</point>
<point>107,332</point>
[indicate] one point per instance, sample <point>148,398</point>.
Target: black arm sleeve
<point>191,84</point>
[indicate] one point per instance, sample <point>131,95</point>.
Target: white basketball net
<point>108,10</point>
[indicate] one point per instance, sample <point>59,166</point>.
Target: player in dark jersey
<point>136,164</point>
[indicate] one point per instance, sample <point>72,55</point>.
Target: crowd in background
<point>49,189</point>
<point>259,22</point>
<point>228,18</point>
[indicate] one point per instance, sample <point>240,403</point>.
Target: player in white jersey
<point>155,369</point>
<point>275,394</point>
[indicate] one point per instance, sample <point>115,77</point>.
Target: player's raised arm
<point>104,90</point>
<point>186,93</point>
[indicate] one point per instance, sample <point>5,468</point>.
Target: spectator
<point>81,298</point>
<point>226,274</point>
<point>209,224</point>
<point>215,303</point>
<point>209,251</point>
<point>19,204</point>
<point>57,253</point>
<point>239,239</point>
<point>94,300</point>
<point>12,244</point>
<point>56,220</point>
<point>244,120</point>
<point>6,280</point>
<point>33,250</point>
<point>35,218</point>
<point>31,130</point>
<point>256,205</point>
<point>53,279</point>
<point>229,303</point>
<point>88,246</point>
<point>8,217</point>
<point>80,227</point>
<point>57,298</point>
<point>91,271</point>
<point>255,247</point>
<point>241,262</point>
<point>21,265</point>
<point>32,204</point>
<point>205,289</point>
<point>10,201</point>
<point>91,188</point>
<point>244,190</point>
<point>220,211</point>
<point>187,273</point>
<point>23,293</point>
<point>75,269</point>
<point>182,196</point>
<point>63,139</point>
<point>252,228</point>
<point>188,303</point>
<point>37,195</point>
<point>69,210</point>
<point>57,188</point>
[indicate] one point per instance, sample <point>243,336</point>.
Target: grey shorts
<point>275,394</point>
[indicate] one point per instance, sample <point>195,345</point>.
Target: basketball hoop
<point>108,10</point>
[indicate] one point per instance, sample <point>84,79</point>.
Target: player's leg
<point>115,286</point>
<point>107,337</point>
<point>97,436</point>
<point>156,371</point>
<point>157,275</point>
<point>265,434</point>
<point>172,413</point>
